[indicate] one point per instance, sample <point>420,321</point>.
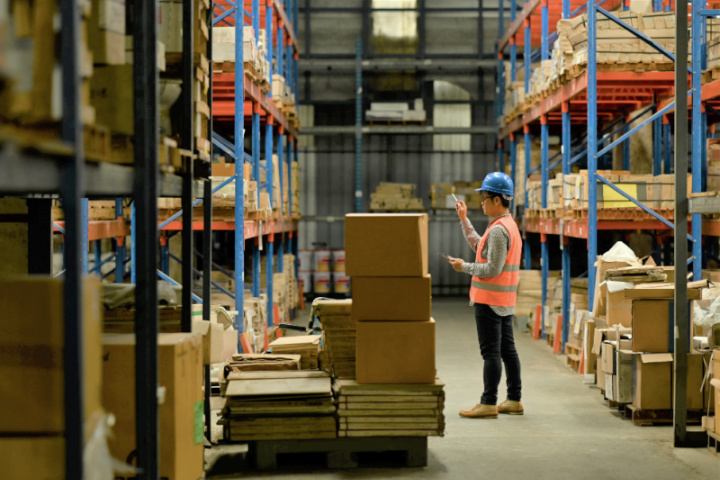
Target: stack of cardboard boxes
<point>395,196</point>
<point>32,444</point>
<point>387,259</point>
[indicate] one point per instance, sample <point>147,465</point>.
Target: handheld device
<point>445,255</point>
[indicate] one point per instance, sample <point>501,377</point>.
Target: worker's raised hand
<point>456,263</point>
<point>461,209</point>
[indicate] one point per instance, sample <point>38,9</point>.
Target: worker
<point>493,292</point>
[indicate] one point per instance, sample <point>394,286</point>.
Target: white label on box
<point>112,16</point>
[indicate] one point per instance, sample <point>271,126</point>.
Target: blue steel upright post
<point>526,132</point>
<point>698,129</point>
<point>239,131</point>
<point>513,76</point>
<point>592,146</point>
<point>564,245</point>
<point>256,157</point>
<point>120,245</point>
<point>358,126</point>
<point>544,151</point>
<point>269,174</point>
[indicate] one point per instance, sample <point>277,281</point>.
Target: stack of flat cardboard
<point>387,258</point>
<point>339,334</point>
<point>307,346</point>
<point>530,290</point>
<point>390,410</point>
<point>248,362</point>
<point>284,405</point>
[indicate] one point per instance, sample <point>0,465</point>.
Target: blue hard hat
<point>497,182</point>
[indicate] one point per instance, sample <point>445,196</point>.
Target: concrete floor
<point>566,432</point>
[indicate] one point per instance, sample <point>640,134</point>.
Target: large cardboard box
<point>619,309</point>
<point>608,357</point>
<point>395,352</point>
<point>386,245</point>
<point>653,381</point>
<point>180,371</point>
<point>31,353</point>
<point>652,326</point>
<point>32,458</point>
<point>392,298</point>
<point>589,339</point>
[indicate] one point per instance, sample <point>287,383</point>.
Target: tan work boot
<point>480,411</point>
<point>511,407</point>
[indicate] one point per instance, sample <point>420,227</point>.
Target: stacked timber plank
<point>278,405</point>
<point>307,346</point>
<point>402,410</point>
<point>339,333</point>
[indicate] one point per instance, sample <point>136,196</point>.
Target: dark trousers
<point>497,347</point>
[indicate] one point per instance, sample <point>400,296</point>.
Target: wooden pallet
<point>340,453</point>
<point>658,417</point>
<point>615,214</point>
<point>572,356</point>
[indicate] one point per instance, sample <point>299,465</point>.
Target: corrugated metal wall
<point>327,174</point>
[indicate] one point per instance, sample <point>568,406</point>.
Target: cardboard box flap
<point>656,357</point>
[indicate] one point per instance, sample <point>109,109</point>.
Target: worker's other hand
<point>461,209</point>
<point>456,263</point>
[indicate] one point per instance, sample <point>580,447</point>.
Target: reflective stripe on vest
<point>500,290</point>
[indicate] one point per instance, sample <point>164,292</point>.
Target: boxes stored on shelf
<point>396,352</point>
<point>32,346</point>
<point>111,94</point>
<point>386,245</point>
<point>181,420</point>
<point>392,298</point>
<point>106,32</point>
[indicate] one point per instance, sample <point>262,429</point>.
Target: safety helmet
<point>498,182</point>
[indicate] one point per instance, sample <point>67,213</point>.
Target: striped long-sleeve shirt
<point>495,252</point>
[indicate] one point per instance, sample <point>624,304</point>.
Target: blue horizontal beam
<point>709,13</point>
<point>173,282</point>
<point>639,204</point>
<point>654,117</point>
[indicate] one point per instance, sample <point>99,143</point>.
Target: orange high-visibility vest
<point>501,290</point>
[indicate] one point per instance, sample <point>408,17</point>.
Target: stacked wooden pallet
<point>404,410</point>
<point>307,346</point>
<point>339,334</point>
<point>280,405</point>
<point>395,197</point>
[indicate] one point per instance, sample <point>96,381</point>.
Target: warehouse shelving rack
<point>597,95</point>
<point>237,101</point>
<point>59,169</point>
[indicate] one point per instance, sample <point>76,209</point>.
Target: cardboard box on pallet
<point>392,298</point>
<point>32,346</point>
<point>395,352</point>
<point>180,371</point>
<point>653,381</point>
<point>386,245</point>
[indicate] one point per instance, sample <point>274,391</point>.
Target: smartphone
<point>445,255</point>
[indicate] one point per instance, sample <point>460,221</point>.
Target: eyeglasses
<point>486,198</point>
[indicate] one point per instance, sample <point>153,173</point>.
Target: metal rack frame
<point>283,49</point>
<point>591,91</point>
